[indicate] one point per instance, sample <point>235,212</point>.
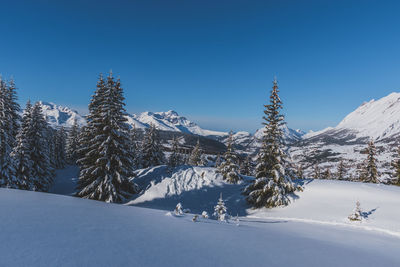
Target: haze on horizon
<point>211,61</point>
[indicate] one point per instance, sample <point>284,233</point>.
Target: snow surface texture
<point>52,230</point>
<point>322,201</point>
<point>197,188</point>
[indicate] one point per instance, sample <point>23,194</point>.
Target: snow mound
<point>197,188</point>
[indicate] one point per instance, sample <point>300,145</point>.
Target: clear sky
<point>211,61</point>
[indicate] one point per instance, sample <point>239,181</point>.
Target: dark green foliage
<point>371,172</point>
<point>105,162</point>
<point>151,151</point>
<point>195,156</point>
<point>272,185</point>
<point>229,168</point>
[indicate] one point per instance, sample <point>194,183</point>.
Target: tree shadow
<point>365,214</point>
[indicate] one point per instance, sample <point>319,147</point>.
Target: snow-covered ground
<point>42,229</point>
<point>312,231</point>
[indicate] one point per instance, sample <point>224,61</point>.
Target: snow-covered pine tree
<point>135,148</point>
<point>300,172</point>
<point>229,168</point>
<point>245,167</point>
<point>60,147</point>
<point>175,158</point>
<point>220,209</point>
<point>272,186</point>
<point>316,172</point>
<point>72,143</point>
<point>195,156</point>
<point>106,166</point>
<point>21,154</point>
<point>341,171</point>
<point>371,172</point>
<point>152,154</point>
<point>218,161</point>
<point>14,109</point>
<point>9,121</point>
<point>38,137</point>
<point>326,174</point>
<point>396,169</point>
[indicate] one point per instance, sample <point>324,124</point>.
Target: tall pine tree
<point>107,164</point>
<point>72,143</point>
<point>271,186</point>
<point>371,172</point>
<point>21,153</point>
<point>229,168</point>
<point>38,137</point>
<point>195,156</point>
<point>9,123</point>
<point>396,169</point>
<point>151,151</point>
<point>175,158</point>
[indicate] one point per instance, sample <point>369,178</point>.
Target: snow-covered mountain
<point>170,121</point>
<point>59,116</point>
<point>378,120</point>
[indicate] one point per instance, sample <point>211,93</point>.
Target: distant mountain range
<point>378,120</point>
<point>59,116</point>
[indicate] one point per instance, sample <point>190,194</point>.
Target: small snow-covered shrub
<point>220,210</point>
<point>204,214</point>
<point>178,209</point>
<point>357,214</point>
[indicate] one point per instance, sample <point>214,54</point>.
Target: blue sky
<point>211,61</point>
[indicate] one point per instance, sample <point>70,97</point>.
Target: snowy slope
<point>59,116</point>
<point>377,119</point>
<point>322,201</point>
<point>52,230</point>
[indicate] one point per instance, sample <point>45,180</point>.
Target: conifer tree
<point>72,143</point>
<point>245,168</point>
<point>152,154</point>
<point>272,185</point>
<point>229,168</point>
<point>341,171</point>
<point>14,109</point>
<point>9,121</point>
<point>300,172</point>
<point>220,210</point>
<point>316,172</point>
<point>371,172</point>
<point>396,169</point>
<point>195,156</point>
<point>327,174</point>
<point>175,158</point>
<point>135,148</point>
<point>105,163</point>
<point>38,136</point>
<point>60,148</point>
<point>218,161</point>
<point>21,154</point>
